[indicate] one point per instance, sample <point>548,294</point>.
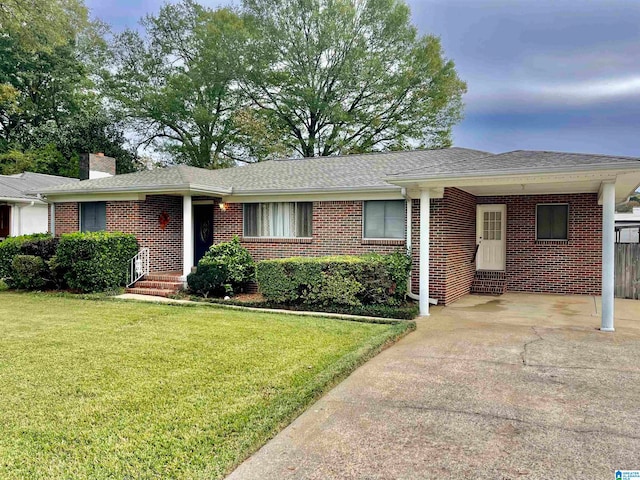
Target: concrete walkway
<point>517,386</point>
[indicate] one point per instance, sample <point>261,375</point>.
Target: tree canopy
<point>214,87</point>
<point>283,78</point>
<point>345,76</point>
<point>50,106</point>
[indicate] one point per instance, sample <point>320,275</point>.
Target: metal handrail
<point>138,266</point>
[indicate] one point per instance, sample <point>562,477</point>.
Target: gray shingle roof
<point>522,161</point>
<point>351,172</point>
<point>324,173</point>
<point>24,185</point>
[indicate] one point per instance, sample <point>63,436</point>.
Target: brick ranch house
<point>525,221</point>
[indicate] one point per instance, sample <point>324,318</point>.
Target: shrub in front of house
<point>30,272</point>
<point>39,244</point>
<point>94,261</point>
<point>226,268</point>
<point>347,280</point>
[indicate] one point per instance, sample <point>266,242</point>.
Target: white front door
<point>491,223</point>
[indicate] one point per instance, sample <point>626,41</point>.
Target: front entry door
<point>203,230</point>
<point>491,223</point>
<point>5,218</point>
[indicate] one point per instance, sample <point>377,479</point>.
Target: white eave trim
<point>135,192</point>
<point>615,168</point>
<point>22,200</point>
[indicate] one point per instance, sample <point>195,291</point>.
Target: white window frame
<point>244,233</point>
<point>536,222</point>
<point>404,230</point>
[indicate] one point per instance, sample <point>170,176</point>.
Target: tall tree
<point>178,83</point>
<point>42,24</point>
<point>50,109</point>
<point>345,76</point>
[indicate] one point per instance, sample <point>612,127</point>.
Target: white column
<point>425,205</point>
<point>187,235</point>
<point>608,255</point>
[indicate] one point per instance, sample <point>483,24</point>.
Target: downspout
<point>410,294</point>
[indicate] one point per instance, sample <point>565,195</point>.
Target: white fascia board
<point>345,194</point>
<point>413,177</point>
<point>22,200</point>
<point>132,193</point>
<point>508,179</point>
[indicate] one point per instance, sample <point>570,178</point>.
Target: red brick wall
<point>573,266</point>
<point>337,230</point>
<point>67,218</point>
<point>165,244</point>
<point>451,245</point>
<point>140,218</point>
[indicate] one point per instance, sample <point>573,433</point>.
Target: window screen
<point>552,222</point>
<point>93,216</point>
<point>384,219</point>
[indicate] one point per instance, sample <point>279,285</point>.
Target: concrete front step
<point>158,292</point>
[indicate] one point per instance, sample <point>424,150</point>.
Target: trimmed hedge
<point>39,244</point>
<point>95,261</point>
<point>226,268</point>
<point>335,280</point>
<point>29,272</point>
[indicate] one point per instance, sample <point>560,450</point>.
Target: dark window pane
<point>251,219</point>
<point>384,219</point>
<point>304,215</point>
<point>552,222</point>
<point>93,216</point>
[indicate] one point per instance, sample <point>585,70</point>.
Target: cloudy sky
<point>541,74</point>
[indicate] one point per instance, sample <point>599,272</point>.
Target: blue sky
<point>541,74</point>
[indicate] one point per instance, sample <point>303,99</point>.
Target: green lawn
<point>99,388</point>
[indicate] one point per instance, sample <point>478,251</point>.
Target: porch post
<point>187,235</point>
<point>425,205</point>
<point>608,255</point>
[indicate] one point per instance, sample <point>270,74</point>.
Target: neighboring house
<point>535,218</point>
<point>22,212</point>
<point>628,226</point>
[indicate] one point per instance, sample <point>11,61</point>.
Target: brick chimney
<point>96,165</point>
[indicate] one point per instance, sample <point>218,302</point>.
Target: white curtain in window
<point>278,219</point>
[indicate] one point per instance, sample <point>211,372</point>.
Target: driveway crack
<point>523,355</point>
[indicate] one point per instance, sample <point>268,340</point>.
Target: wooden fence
<point>627,270</point>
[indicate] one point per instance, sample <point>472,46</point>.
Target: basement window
<point>552,221</point>
<point>93,216</point>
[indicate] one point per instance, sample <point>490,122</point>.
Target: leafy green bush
<point>29,272</point>
<point>227,267</point>
<point>208,278</point>
<point>95,261</point>
<point>338,280</point>
<point>22,245</point>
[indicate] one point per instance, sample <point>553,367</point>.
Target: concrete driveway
<point>510,387</point>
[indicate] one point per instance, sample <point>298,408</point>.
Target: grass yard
<point>100,388</point>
